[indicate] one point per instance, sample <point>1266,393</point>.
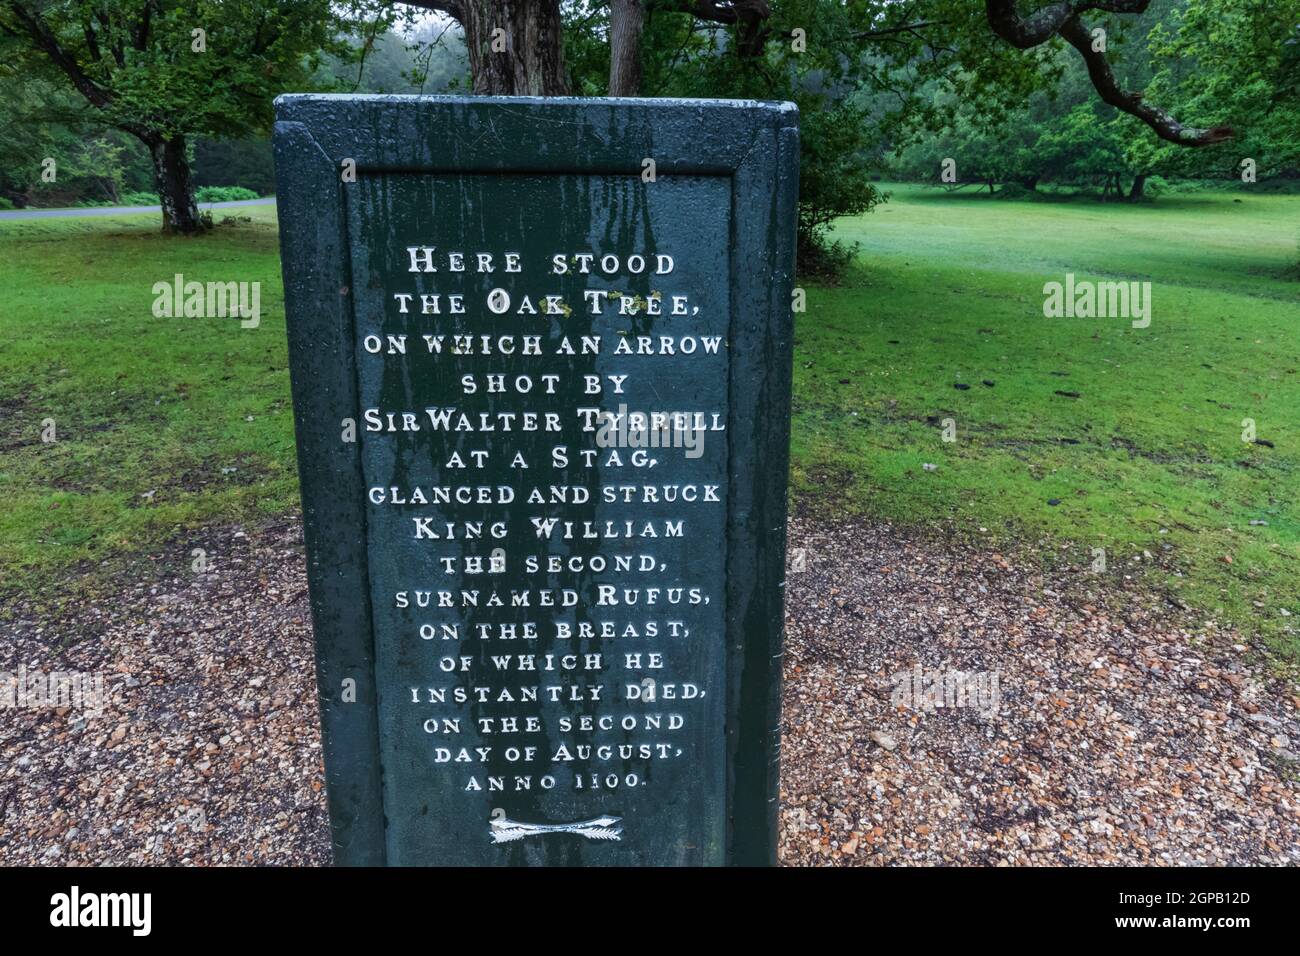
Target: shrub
<point>5,203</point>
<point>825,258</point>
<point>1155,186</point>
<point>1015,191</point>
<point>833,182</point>
<point>224,194</point>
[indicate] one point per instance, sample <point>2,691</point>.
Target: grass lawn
<point>161,424</point>
<point>1148,458</point>
<point>165,425</point>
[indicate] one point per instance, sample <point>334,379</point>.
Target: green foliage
<point>220,83</point>
<point>91,168</point>
<point>224,193</point>
<point>1015,190</point>
<point>89,162</point>
<point>204,69</point>
<point>682,56</point>
<point>136,198</point>
<point>834,180</point>
<point>925,81</point>
<point>1157,186</point>
<point>1205,62</point>
<point>825,258</point>
<point>1061,135</point>
<point>430,58</point>
<point>234,162</point>
<point>433,60</point>
<point>1228,62</point>
<point>166,71</point>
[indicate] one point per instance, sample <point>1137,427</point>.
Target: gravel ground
<point>1117,739</point>
<point>209,749</point>
<point>1113,737</point>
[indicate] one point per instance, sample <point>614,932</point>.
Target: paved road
<point>121,210</point>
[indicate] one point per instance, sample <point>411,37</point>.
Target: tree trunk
<point>1138,189</point>
<point>171,176</point>
<point>1030,183</point>
<point>526,58</point>
<point>626,21</point>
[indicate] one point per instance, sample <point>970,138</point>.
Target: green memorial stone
<point>541,353</point>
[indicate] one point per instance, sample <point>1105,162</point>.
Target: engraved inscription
<point>544,433</point>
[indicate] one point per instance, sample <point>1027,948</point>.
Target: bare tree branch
<point>1045,22</point>
<point>451,8</point>
<point>1028,31</point>
<point>890,31</point>
<point>715,11</point>
<point>1130,101</point>
<point>1062,19</point>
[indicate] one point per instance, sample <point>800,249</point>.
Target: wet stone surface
<point>532,388</point>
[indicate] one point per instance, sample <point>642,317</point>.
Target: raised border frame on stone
<point>756,145</point>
